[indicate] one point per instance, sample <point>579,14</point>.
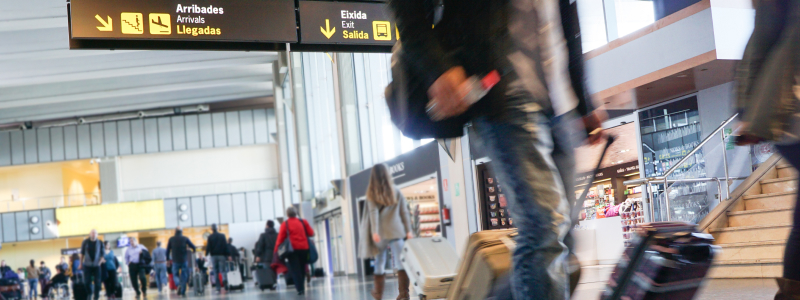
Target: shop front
<point>418,175</point>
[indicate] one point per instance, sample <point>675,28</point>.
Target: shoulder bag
<point>285,247</point>
<point>313,255</point>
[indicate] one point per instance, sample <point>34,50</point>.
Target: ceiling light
<point>682,76</point>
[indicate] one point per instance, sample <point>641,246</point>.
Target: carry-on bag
<point>430,264</point>
<point>79,289</point>
<point>198,283</point>
<point>118,290</point>
<point>488,257</point>
<point>668,260</point>
<point>234,277</point>
<point>265,277</point>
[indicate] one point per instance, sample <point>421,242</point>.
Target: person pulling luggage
<point>532,52</point>
<point>110,269</point>
<point>263,252</point>
<point>388,222</point>
<point>92,252</point>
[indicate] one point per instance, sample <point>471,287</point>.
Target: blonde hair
<point>381,187</point>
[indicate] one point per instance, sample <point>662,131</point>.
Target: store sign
<point>323,22</point>
<point>70,251</point>
<point>610,172</point>
<point>199,20</point>
<point>627,168</point>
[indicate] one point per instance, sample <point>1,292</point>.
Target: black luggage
<point>79,289</point>
<point>118,290</point>
<point>667,260</point>
<point>265,277</point>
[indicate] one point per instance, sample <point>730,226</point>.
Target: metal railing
<point>648,181</point>
<point>33,203</point>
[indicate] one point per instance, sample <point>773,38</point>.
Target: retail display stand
<point>493,202</point>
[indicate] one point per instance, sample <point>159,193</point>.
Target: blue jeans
<point>161,275</point>
<point>33,293</point>
<point>183,279</point>
<point>532,156</point>
<point>380,259</point>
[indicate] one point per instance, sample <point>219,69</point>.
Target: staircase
<point>752,230</point>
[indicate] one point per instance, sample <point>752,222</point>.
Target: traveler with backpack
<point>218,249</point>
<point>531,52</point>
<point>92,252</point>
<point>178,254</point>
<point>138,258</point>
<point>110,269</point>
<point>388,222</point>
<point>297,232</point>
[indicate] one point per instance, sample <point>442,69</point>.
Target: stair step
<point>785,171</point>
<point>760,268</point>
<point>752,250</point>
<point>769,216</point>
<point>786,184</point>
<point>771,200</point>
<point>756,233</point>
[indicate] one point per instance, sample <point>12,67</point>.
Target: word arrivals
<point>196,20</point>
<point>195,31</point>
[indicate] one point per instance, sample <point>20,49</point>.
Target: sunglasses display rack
<point>632,214</point>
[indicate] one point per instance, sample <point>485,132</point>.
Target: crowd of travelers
<point>97,267</point>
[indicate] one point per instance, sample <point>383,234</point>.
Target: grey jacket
<point>390,222</point>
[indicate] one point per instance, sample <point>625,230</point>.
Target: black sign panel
<point>70,251</point>
<point>198,20</point>
<point>346,23</point>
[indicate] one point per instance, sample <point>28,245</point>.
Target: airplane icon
<point>160,24</point>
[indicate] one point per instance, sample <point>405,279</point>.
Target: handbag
<point>285,248</point>
<point>313,255</point>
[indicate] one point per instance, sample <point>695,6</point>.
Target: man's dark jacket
<point>217,245</point>
<point>177,250</point>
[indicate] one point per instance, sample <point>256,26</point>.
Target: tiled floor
<point>592,284</point>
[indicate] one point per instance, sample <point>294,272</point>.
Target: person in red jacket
<point>298,232</point>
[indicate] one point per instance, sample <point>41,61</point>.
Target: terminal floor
<point>592,284</point>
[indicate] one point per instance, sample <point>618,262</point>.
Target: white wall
<point>246,234</point>
<point>199,172</point>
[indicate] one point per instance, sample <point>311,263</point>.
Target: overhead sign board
<point>197,20</point>
<point>346,23</point>
<point>118,217</point>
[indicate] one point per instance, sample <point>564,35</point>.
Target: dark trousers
<point>297,267</point>
<point>93,279</point>
<point>138,274</point>
<point>791,258</point>
<point>111,283</point>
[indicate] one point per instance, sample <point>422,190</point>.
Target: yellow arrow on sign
<point>328,31</point>
<point>106,25</point>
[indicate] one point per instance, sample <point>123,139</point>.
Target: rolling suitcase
<point>667,260</point>
<point>488,257</point>
<point>430,264</point>
<point>265,277</point>
<point>198,284</point>
<point>234,278</point>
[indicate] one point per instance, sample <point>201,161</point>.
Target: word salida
<point>355,35</point>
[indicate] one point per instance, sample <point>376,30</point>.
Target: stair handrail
<point>665,176</point>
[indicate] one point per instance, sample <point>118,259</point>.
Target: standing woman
<point>110,268</point>
<point>297,231</point>
<point>32,273</point>
<point>389,224</point>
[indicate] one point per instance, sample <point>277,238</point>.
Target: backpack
<point>407,99</point>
